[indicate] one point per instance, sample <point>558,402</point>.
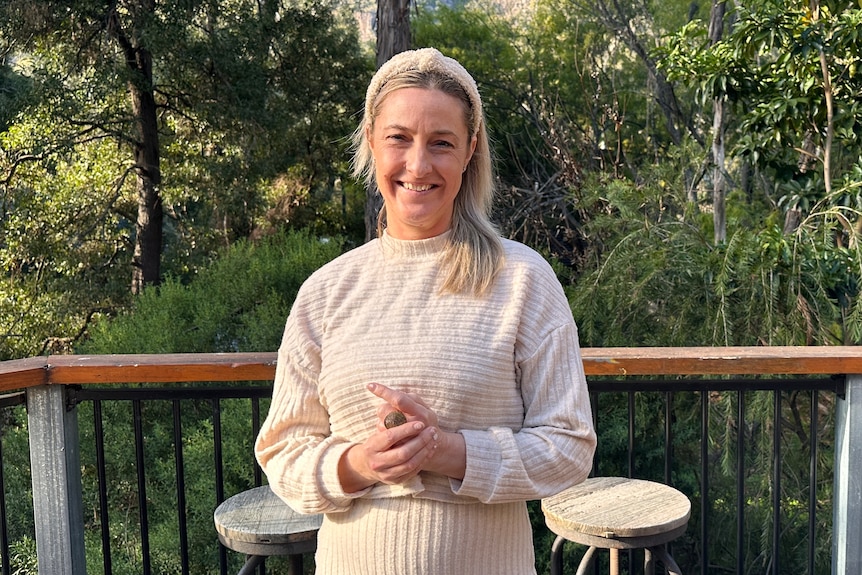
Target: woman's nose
<point>418,161</point>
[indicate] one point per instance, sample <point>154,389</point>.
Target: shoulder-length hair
<point>474,255</point>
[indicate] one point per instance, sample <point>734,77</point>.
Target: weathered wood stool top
<point>256,522</point>
<point>617,513</point>
<point>616,508</point>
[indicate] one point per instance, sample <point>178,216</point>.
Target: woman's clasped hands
<point>397,454</point>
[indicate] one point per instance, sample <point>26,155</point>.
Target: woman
<point>468,335</point>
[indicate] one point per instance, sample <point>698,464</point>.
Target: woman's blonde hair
<point>474,255</point>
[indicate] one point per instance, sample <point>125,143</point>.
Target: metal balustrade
<point>656,385</point>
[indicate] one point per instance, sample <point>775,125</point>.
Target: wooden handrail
<point>787,360</point>
<point>622,361</point>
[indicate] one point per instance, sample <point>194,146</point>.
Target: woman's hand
<point>398,454</point>
<point>395,455</point>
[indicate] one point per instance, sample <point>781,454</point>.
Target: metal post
<point>56,471</point>
<point>847,495</point>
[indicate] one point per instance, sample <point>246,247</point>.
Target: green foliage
<point>22,557</point>
<point>253,106</point>
<point>763,287</point>
<point>773,67</point>
<point>19,499</point>
<point>238,303</point>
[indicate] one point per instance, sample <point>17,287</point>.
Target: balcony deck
<point>637,379</point>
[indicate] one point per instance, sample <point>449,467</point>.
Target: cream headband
<point>425,60</point>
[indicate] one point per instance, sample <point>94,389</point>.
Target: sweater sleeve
<point>554,448</point>
<point>295,448</point>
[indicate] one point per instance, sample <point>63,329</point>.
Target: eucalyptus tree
<point>153,132</point>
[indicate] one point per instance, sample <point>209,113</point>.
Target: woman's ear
<point>368,138</point>
<point>473,141</point>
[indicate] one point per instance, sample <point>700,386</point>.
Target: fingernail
<point>418,426</point>
<point>371,386</point>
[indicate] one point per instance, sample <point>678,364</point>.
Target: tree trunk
<point>393,36</point>
<point>146,260</point>
<point>719,122</point>
<point>393,28</point>
<point>827,97</point>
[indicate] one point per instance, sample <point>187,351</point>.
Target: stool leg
<point>586,561</point>
<point>557,556</point>
<point>251,564</point>
<point>649,562</point>
<point>295,565</point>
<point>667,560</point>
<point>615,561</point>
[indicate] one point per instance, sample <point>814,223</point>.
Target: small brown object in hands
<point>394,419</point>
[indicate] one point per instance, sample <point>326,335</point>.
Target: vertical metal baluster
<point>704,479</point>
<point>668,437</point>
<point>181,486</point>
<point>4,534</point>
<point>219,475</point>
<point>813,438</point>
<point>255,429</point>
<point>594,407</point>
<point>631,473</point>
<point>142,488</point>
<point>740,481</point>
<point>776,483</point>
<point>668,451</point>
<point>104,527</point>
<point>631,418</point>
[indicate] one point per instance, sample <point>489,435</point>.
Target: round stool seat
<point>257,522</point>
<point>617,513</point>
<point>620,513</point>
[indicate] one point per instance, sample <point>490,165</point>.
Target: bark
<point>393,36</point>
<point>146,260</point>
<point>719,123</point>
<point>827,96</point>
<point>393,28</point>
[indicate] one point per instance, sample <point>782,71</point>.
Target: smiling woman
<point>421,147</point>
<point>466,334</point>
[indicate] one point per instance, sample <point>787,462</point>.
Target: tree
<point>128,32</point>
<point>633,24</point>
<point>719,123</point>
<point>788,73</point>
<point>252,104</point>
<point>170,59</point>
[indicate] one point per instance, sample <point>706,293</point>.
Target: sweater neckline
<point>415,248</point>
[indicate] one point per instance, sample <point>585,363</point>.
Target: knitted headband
<point>425,60</point>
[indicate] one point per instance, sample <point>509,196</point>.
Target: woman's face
<point>421,145</point>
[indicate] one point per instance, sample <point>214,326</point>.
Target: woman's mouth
<point>416,187</point>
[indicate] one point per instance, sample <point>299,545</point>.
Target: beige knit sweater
<point>504,370</point>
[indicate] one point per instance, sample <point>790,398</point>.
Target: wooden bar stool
<point>617,513</point>
<point>256,522</point>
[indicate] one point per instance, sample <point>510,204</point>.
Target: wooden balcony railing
<point>53,421</point>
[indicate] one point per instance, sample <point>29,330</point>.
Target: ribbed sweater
<point>504,370</point>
